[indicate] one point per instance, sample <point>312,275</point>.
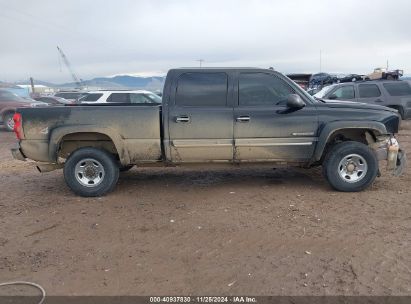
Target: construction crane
<point>77,80</point>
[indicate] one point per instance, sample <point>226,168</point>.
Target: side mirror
<point>332,97</point>
<point>295,101</point>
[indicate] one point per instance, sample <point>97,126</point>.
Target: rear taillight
<point>18,128</point>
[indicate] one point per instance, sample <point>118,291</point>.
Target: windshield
<point>324,91</point>
<point>8,96</point>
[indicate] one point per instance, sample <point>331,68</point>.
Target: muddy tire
<point>91,172</point>
<point>9,122</point>
<point>350,166</point>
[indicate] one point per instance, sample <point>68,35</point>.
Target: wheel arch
<point>65,140</point>
<point>354,131</point>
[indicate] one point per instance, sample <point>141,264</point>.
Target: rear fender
<point>57,135</point>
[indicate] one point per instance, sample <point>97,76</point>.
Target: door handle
<point>243,119</point>
<point>378,100</point>
<point>182,119</point>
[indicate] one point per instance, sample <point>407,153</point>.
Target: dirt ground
<point>174,231</point>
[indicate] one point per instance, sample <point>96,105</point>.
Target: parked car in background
<point>351,78</point>
<point>314,91</point>
<point>137,97</point>
<point>381,73</point>
<point>394,94</point>
<point>72,96</point>
<point>322,79</point>
<point>159,93</point>
<point>54,100</point>
<point>302,79</point>
<point>9,102</point>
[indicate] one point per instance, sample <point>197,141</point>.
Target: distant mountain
<point>131,81</point>
<point>121,82</point>
<point>116,82</point>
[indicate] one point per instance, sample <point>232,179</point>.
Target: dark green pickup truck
<point>230,116</point>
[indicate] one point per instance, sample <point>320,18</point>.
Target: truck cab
<point>236,115</point>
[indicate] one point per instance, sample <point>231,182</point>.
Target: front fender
<point>57,134</point>
<point>330,128</point>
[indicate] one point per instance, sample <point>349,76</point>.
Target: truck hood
<point>356,105</point>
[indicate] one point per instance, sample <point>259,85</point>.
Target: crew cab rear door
<point>200,117</point>
<point>264,128</point>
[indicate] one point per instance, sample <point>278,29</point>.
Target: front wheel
<point>91,172</point>
<point>350,166</point>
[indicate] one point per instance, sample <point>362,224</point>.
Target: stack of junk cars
<point>382,87</point>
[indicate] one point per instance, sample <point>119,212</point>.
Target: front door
<point>200,118</point>
<point>265,129</point>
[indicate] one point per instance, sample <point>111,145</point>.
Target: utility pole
<point>320,61</point>
<point>32,86</point>
<point>200,61</point>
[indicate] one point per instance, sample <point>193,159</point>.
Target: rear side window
<point>343,93</point>
<point>91,97</point>
<point>202,89</point>
<point>398,89</point>
<point>369,90</point>
<point>119,98</point>
<point>262,89</point>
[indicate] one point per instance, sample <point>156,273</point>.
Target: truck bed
<point>133,129</point>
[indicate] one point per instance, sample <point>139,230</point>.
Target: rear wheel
<point>350,166</point>
<point>9,122</point>
<point>91,172</point>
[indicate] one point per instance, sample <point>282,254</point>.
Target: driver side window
<point>262,89</point>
